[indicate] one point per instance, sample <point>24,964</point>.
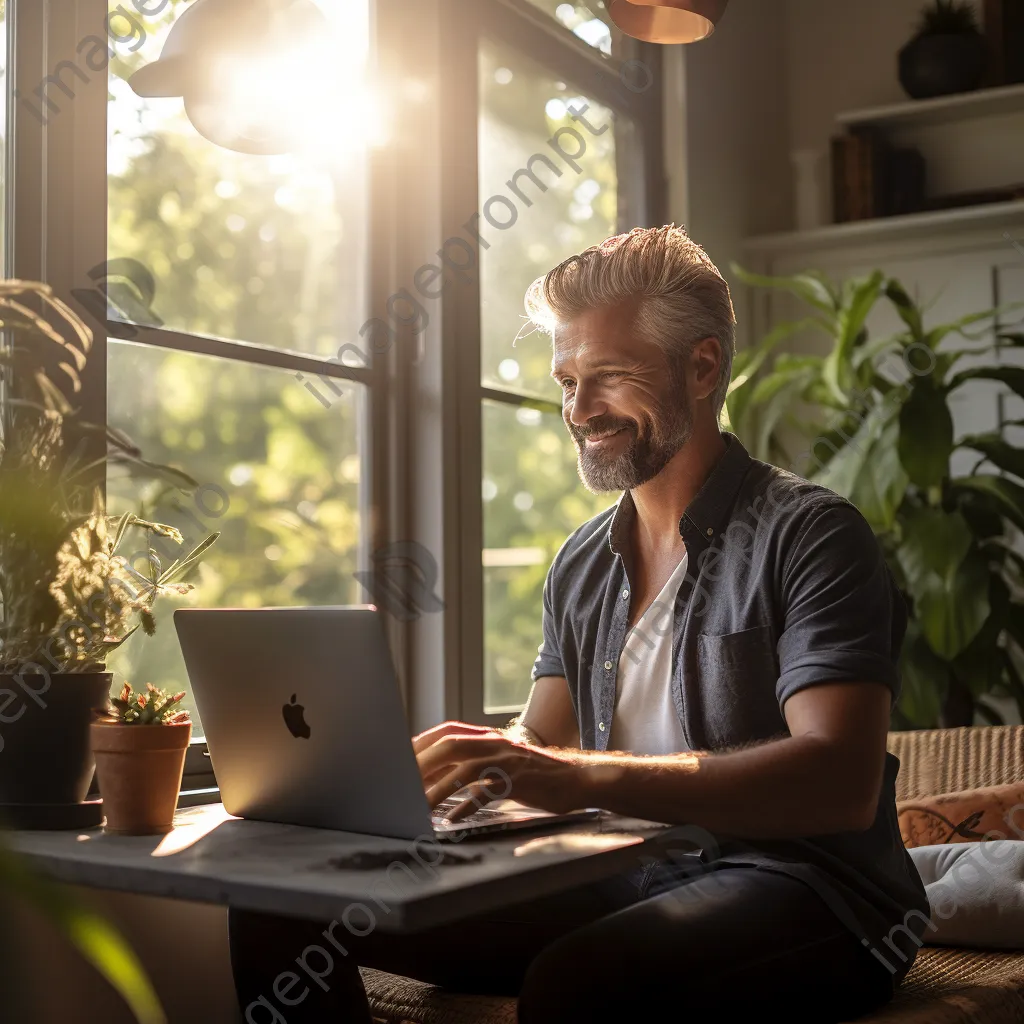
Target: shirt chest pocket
<point>737,677</point>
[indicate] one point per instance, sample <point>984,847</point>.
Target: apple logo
<point>294,718</point>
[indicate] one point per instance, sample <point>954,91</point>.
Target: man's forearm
<point>790,787</point>
<point>517,732</point>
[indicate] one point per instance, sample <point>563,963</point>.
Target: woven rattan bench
<point>946,986</point>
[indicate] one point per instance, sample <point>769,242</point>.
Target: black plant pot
<point>943,64</point>
<point>46,763</point>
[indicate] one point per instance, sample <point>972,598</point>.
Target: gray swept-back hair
<point>680,295</point>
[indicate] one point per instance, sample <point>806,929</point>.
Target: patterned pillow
<point>994,812</point>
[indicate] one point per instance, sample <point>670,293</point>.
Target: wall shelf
<point>998,217</point>
<point>1005,99</point>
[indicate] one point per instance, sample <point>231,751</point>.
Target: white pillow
<point>976,892</point>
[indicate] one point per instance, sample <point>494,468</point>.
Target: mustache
<point>602,425</point>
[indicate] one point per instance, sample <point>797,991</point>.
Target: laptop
<point>305,724</point>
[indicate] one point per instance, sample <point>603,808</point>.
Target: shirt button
<point>608,665</point>
<point>600,726</point>
<point>710,531</point>
<point>625,595</point>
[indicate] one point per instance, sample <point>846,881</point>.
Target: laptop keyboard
<point>481,816</point>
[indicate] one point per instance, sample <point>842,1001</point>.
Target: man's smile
<point>604,440</point>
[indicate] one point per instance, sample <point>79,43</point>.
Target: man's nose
<point>586,404</point>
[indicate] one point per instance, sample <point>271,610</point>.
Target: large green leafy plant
<point>871,419</point>
<point>68,597</point>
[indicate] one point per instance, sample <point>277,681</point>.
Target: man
<point>720,652</point>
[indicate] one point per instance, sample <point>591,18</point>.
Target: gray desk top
<point>215,858</point>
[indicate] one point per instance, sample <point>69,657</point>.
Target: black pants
<point>730,941</point>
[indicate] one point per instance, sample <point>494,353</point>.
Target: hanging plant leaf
<point>980,664</point>
<point>849,331</point>
<point>775,394</point>
<point>906,308</point>
<point>748,363</point>
<point>1011,376</point>
<point>995,494</point>
<point>947,577</point>
<point>997,450</point>
<point>868,470</point>
<point>815,289</point>
<point>925,681</point>
<point>926,435</point>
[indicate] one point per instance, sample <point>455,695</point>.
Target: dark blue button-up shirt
<point>786,588</point>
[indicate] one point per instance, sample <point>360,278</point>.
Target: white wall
<point>843,57</point>
<point>735,150</point>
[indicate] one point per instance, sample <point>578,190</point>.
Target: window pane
<point>590,22</point>
<point>532,501</point>
<point>523,106</point>
<point>280,478</point>
<point>267,249</point>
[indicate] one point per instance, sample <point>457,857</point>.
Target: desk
<point>212,857</point>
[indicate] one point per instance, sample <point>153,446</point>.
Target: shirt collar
<point>706,516</point>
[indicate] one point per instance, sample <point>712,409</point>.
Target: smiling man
<point>719,653</point>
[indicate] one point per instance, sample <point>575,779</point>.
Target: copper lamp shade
<point>667,21</point>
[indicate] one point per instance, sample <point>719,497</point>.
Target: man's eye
<point>612,374</point>
<point>566,384</point>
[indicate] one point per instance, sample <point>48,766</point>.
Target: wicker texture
<point>956,986</point>
<point>946,986</point>
<point>950,760</point>
<point>395,1000</point>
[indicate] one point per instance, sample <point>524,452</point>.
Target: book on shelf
<point>871,178</point>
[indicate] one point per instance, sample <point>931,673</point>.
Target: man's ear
<point>706,361</point>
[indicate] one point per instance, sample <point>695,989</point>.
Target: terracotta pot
<point>139,772</point>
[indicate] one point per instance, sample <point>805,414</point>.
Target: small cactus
<point>154,707</point>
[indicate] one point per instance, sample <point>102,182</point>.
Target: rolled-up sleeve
<point>843,617</point>
<point>549,658</point>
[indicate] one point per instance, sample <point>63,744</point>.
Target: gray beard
<point>643,459</point>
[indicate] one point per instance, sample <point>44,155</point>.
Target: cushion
<point>991,812</point>
<point>976,892</point>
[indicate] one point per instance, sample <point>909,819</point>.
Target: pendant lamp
<point>667,21</point>
<point>241,67</point>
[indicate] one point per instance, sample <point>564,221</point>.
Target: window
<point>563,144</point>
<point>589,22</point>
<point>240,264</point>
<point>230,297</point>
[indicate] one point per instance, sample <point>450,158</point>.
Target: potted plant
<point>947,55</point>
<point>876,426</point>
<point>68,597</point>
<point>140,746</point>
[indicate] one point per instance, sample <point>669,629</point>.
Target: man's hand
<point>486,764</point>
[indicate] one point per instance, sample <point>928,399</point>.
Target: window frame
<point>56,185</point>
<point>424,394</point>
<point>542,39</point>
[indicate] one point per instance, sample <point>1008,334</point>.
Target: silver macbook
<point>305,724</point>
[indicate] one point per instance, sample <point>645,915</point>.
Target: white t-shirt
<point>645,719</point>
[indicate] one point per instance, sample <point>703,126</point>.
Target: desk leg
<point>267,953</point>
